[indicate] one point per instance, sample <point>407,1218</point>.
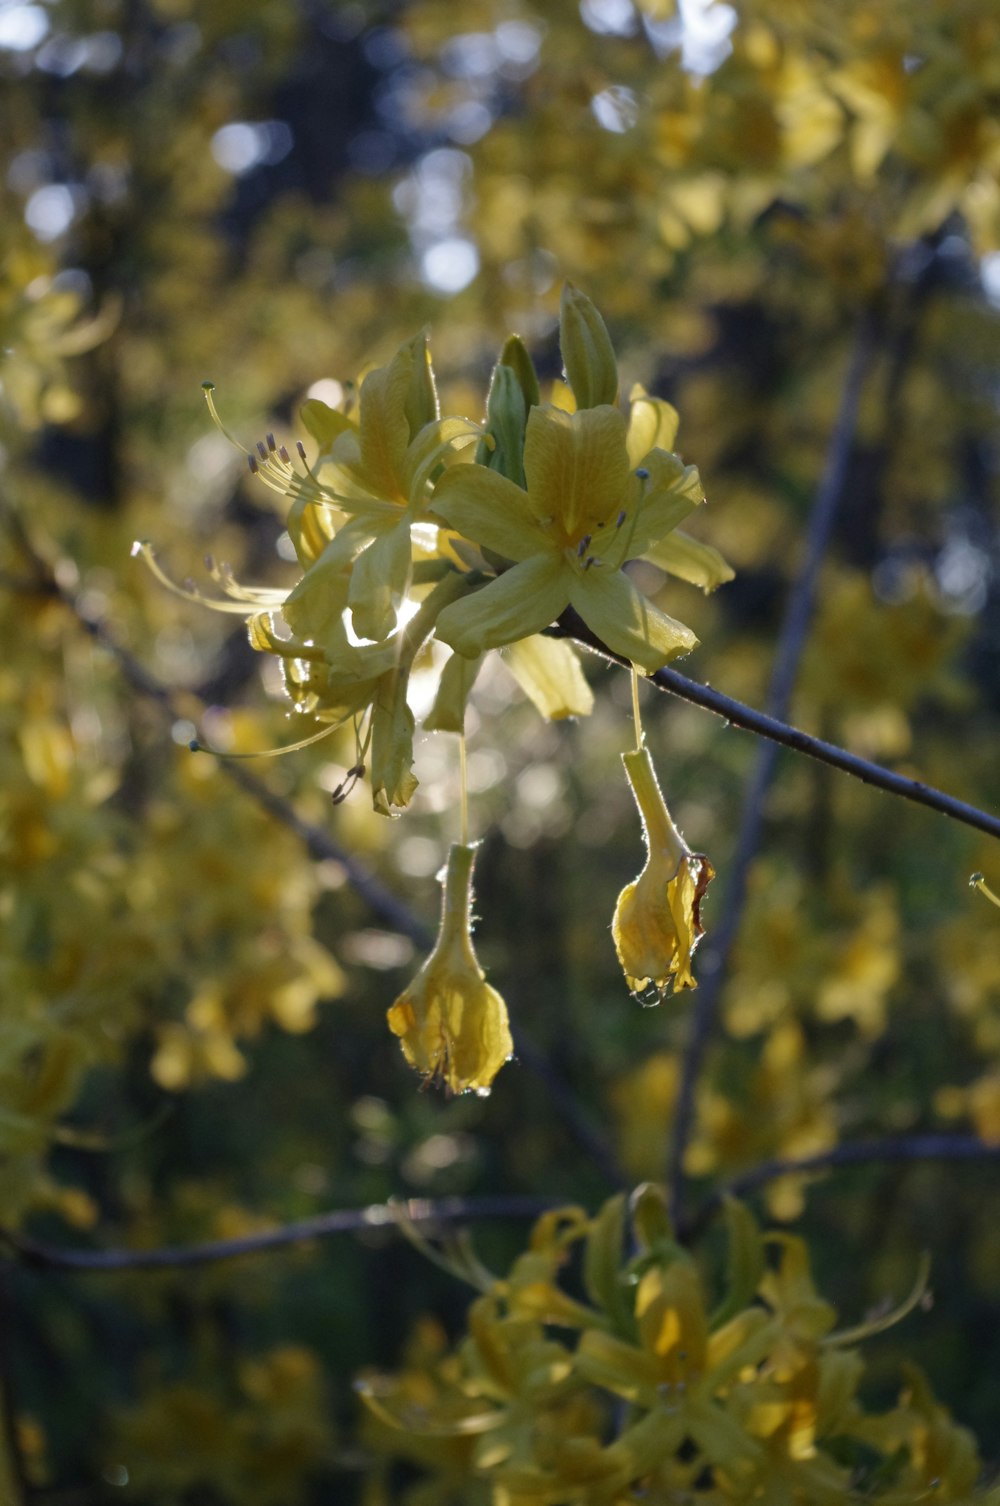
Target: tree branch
<point>864,1153</point>
<point>765,725</point>
<point>762,724</point>
<point>46,1257</point>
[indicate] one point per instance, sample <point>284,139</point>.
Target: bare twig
<point>741,715</point>
<point>421,1211</point>
<point>863,1153</point>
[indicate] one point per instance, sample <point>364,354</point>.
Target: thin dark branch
<point>420,1211</point>
<point>863,1153</point>
<point>741,715</point>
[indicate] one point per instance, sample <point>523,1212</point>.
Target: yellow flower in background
<point>451,1024</point>
<point>656,924</point>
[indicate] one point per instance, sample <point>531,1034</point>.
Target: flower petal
<point>457,679</point>
<point>324,423</point>
<point>576,466</point>
<point>652,424</point>
<point>671,492</point>
<point>437,444</point>
<point>626,621</point>
<point>384,424</point>
<point>393,779</point>
<point>549,673</point>
<point>691,560</point>
<point>520,602</point>
<point>379,581</point>
<point>487,509</point>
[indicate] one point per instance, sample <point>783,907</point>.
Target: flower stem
<point>456,891</point>
<point>463,791</point>
<point>660,832</point>
<point>636,714</point>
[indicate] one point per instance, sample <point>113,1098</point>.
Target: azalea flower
<point>583,512</point>
<point>377,473</point>
<point>451,1024</point>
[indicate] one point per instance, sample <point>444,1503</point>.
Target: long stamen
<point>187,592</point>
<point>977,881</point>
<point>209,390</point>
<point>199,747</point>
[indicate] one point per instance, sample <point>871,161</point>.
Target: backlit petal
<point>576,466</point>
<point>652,424</point>
<point>489,510</point>
<point>691,560</point>
<point>671,491</point>
<point>626,621</point>
<point>522,601</point>
<point>549,673</point>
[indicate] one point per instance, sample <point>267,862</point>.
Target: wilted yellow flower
<point>656,924</point>
<point>451,1024</point>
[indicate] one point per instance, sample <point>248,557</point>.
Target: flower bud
<point>587,352</point>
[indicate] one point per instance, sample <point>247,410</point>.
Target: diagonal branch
<point>739,714</point>
<point>424,1211</point>
<point>863,1153</point>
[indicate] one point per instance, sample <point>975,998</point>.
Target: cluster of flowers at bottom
<point>645,1392</point>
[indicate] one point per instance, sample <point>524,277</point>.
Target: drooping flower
<point>656,924</point>
<point>451,1024</point>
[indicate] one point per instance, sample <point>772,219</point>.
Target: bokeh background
<point>271,195</point>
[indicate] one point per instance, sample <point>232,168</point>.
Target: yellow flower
<point>656,924</point>
<point>451,1024</point>
<point>583,512</point>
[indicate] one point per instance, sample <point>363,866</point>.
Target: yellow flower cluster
<point>411,524</point>
<point>645,1392</point>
